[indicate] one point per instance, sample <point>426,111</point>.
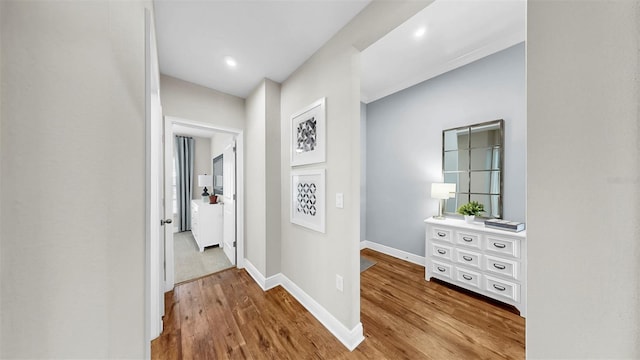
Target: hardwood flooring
<point>227,316</point>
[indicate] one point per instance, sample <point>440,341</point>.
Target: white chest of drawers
<point>206,223</point>
<point>487,261</point>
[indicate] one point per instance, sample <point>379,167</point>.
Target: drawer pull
<point>441,252</point>
<point>467,258</point>
<point>499,245</point>
<point>467,277</point>
<point>441,234</point>
<point>499,266</point>
<point>499,288</point>
<point>441,269</point>
<point>467,239</point>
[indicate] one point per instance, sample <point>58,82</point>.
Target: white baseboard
<point>349,338</point>
<point>400,254</point>
<point>255,274</point>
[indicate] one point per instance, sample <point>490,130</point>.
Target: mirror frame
<point>469,171</point>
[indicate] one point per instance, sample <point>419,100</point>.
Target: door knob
<point>168,221</point>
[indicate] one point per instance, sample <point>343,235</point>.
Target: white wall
<point>404,138</point>
<point>582,167</point>
<point>311,259</point>
<point>193,102</point>
<point>73,128</point>
<point>202,164</point>
<point>219,142</point>
<point>272,177</point>
<point>263,170</point>
<point>255,186</point>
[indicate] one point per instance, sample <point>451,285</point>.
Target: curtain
<point>184,169</point>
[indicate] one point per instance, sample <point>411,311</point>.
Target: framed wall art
<point>308,198</point>
<point>308,135</point>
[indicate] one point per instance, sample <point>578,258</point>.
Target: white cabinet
<point>206,223</point>
<point>487,261</point>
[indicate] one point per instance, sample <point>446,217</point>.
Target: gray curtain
<point>184,169</point>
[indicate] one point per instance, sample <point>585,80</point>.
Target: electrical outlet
<point>339,282</point>
<point>340,200</point>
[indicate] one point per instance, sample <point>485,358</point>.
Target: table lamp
<point>204,181</point>
<point>442,191</point>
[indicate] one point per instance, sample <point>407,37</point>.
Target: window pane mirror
<point>217,175</point>
<point>472,158</point>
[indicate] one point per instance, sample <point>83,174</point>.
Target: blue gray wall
<point>404,144</point>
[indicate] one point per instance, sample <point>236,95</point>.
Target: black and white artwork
<point>308,198</point>
<point>308,137</point>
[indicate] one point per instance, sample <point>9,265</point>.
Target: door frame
<point>169,121</point>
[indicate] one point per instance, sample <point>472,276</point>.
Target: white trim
<point>255,274</point>
<point>363,244</point>
<point>273,281</point>
<point>239,134</point>
<point>349,338</point>
<point>400,254</point>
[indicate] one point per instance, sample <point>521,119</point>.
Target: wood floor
<point>227,316</point>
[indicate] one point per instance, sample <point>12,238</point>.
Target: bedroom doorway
<point>194,245</point>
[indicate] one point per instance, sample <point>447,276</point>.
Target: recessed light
<point>231,62</point>
<point>420,32</point>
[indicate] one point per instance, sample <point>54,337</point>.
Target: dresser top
<point>477,226</point>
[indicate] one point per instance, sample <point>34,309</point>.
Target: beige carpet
<point>190,263</point>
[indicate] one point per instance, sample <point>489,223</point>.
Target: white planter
<point>469,218</point>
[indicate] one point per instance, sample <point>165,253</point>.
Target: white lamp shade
<point>443,190</point>
<point>205,180</point>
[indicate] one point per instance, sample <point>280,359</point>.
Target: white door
<point>228,198</point>
<point>169,270</point>
<point>155,207</point>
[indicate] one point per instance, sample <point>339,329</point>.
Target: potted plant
<point>471,210</point>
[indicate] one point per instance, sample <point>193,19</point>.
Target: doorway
<point>195,243</point>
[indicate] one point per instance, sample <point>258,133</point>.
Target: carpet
<point>190,263</point>
<point>365,263</point>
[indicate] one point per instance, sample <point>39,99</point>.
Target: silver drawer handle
<point>441,269</point>
<point>467,239</point>
<point>467,277</point>
<point>498,266</point>
<point>499,246</point>
<point>442,252</point>
<point>441,234</point>
<point>468,258</point>
<point>499,288</point>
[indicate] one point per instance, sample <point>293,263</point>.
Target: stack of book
<point>504,225</point>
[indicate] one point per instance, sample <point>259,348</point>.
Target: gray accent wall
<point>404,144</point>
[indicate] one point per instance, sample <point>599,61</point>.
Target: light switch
<point>339,200</point>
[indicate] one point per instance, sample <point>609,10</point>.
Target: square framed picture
<point>308,135</point>
<point>308,198</point>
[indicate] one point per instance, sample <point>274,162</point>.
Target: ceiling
<point>271,39</point>
<point>456,32</point>
<point>268,39</point>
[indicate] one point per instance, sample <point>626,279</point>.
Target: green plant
<point>472,208</point>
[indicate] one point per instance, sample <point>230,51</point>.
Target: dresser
<point>486,261</point>
<point>206,223</point>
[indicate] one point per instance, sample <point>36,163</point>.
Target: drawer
<point>468,277</point>
<point>468,258</point>
<point>501,266</point>
<point>468,239</point>
<point>441,234</point>
<point>502,245</point>
<point>441,251</point>
<point>441,269</point>
<point>503,288</point>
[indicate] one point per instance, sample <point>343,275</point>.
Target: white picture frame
<point>308,134</point>
<point>308,198</point>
